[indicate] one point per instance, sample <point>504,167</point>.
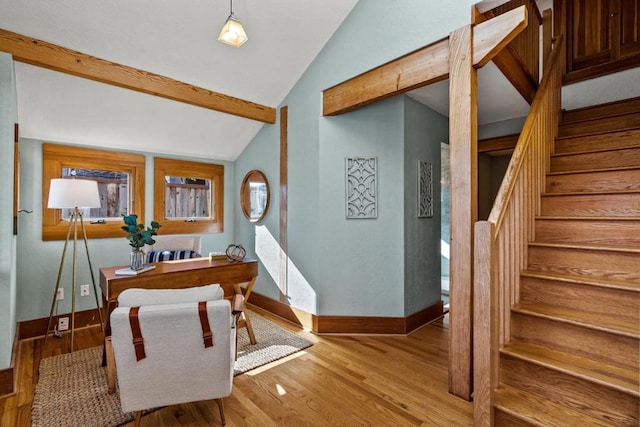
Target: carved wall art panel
<point>361,187</point>
<point>425,189</point>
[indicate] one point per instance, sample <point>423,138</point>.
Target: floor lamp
<point>73,193</point>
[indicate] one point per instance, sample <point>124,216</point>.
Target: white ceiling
<point>173,38</point>
<point>497,98</point>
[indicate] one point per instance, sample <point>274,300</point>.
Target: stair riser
<point>629,157</point>
<point>591,299</point>
<point>502,419</point>
<point>610,232</point>
<point>610,141</point>
<point>590,205</point>
<point>584,396</point>
<point>603,125</point>
<point>612,109</point>
<point>584,262</point>
<point>616,350</point>
<point>594,181</point>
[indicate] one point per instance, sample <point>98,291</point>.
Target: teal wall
<point>424,130</point>
<point>362,271</point>
<point>265,234</point>
<point>36,279</point>
<point>362,261</point>
<point>8,116</point>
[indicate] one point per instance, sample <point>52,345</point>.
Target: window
<point>188,196</point>
<point>120,178</point>
<point>114,193</point>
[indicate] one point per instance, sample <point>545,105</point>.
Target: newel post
<point>485,331</point>
<point>463,142</point>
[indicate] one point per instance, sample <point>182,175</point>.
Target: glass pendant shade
<point>232,33</point>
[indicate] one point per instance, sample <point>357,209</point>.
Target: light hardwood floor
<point>339,381</point>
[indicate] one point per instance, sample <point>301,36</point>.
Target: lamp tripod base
<point>73,223</point>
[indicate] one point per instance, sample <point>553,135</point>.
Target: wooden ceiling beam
<point>492,36</point>
<point>487,5</point>
<point>422,67</point>
<point>507,60</point>
<point>47,55</point>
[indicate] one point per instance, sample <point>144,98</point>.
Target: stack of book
<point>129,272</point>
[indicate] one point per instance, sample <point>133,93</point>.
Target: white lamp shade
<point>232,33</point>
<point>73,193</point>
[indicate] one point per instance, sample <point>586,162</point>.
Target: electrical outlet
<point>60,294</point>
<point>63,323</point>
<point>84,290</point>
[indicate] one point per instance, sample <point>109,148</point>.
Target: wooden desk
<point>177,274</point>
<point>181,274</point>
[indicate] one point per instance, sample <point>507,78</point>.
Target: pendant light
<point>232,32</point>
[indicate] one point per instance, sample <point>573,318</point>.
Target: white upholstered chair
<point>177,364</point>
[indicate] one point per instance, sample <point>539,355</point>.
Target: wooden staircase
<point>574,354</point>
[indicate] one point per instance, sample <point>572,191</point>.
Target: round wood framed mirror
<point>254,195</point>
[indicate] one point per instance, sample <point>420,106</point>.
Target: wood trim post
<point>463,142</point>
<point>485,335</point>
<point>9,376</point>
<point>560,28</point>
<point>16,177</point>
<point>284,176</point>
<point>546,36</point>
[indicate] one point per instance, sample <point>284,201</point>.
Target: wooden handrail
<point>501,242</point>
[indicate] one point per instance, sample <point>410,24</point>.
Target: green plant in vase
<point>138,236</point>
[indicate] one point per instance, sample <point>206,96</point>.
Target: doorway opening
<point>445,226</point>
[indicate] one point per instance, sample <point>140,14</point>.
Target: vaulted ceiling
<point>176,39</point>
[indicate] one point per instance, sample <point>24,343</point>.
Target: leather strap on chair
<point>207,336</point>
<point>138,342</point>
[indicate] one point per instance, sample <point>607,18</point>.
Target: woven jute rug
<point>72,388</point>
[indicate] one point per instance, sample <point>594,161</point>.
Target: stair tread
<point>601,125</point>
<point>604,149</point>
<point>587,171</point>
<point>609,248</point>
<point>613,324</point>
<point>625,380</point>
<point>607,109</point>
<point>584,280</point>
<point>589,193</point>
<point>588,218</point>
<point>539,411</point>
<point>624,132</point>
